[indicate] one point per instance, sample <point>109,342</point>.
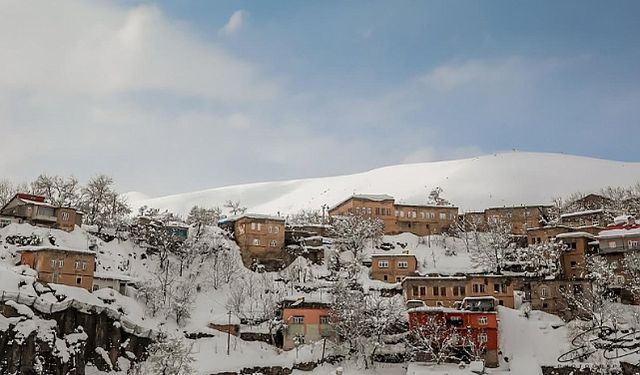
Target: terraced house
<point>420,220</point>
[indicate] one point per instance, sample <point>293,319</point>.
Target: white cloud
<point>234,24</point>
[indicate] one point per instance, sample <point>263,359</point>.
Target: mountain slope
<point>471,184</point>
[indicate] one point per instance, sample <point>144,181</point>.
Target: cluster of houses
<point>465,301</point>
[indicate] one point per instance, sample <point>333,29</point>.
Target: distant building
<point>179,231</point>
<point>392,268</point>
<point>32,209</point>
<point>553,295</point>
<point>308,241</point>
<point>576,246</point>
<point>477,320</point>
<point>305,321</point>
<point>520,218</point>
<point>545,234</point>
<point>420,220</point>
<point>450,290</point>
<point>260,238</point>
<point>598,218</point>
<point>58,265</point>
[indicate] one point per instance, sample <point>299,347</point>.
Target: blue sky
<point>182,95</point>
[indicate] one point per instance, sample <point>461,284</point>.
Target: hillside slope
<point>472,184</point>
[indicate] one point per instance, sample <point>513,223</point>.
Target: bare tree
<point>352,233</point>
<point>435,197</point>
<point>496,243</point>
<point>201,216</point>
<point>102,205</point>
<point>234,207</point>
<point>8,189</point>
<point>59,191</point>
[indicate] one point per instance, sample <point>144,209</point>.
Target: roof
<point>368,197</point>
<point>425,205</point>
<point>392,255</point>
<point>54,248</point>
<point>250,216</point>
<point>521,206</point>
<point>619,233</point>
<point>582,213</point>
<point>111,276</point>
<point>576,235</point>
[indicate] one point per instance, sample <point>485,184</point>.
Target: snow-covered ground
<point>471,184</point>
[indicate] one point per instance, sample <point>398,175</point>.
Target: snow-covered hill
<point>472,184</point>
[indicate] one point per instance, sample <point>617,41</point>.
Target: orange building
<point>260,238</point>
<point>57,265</point>
<point>449,291</point>
<point>305,322</point>
<point>477,321</point>
<point>521,218</point>
<point>420,220</point>
<point>573,259</point>
<point>392,268</point>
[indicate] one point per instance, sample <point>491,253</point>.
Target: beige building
<point>32,209</point>
<point>447,291</point>
<point>521,218</point>
<point>392,268</point>
<point>57,265</point>
<point>553,296</point>
<point>261,239</point>
<point>420,220</point>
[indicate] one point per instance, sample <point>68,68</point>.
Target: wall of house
<point>573,258</point>
<point>544,235</point>
<point>312,329</point>
<point>551,295</point>
<point>383,210</point>
<point>393,273</point>
<point>521,218</point>
<point>67,273</point>
<point>66,218</point>
<point>445,291</point>
<point>269,233</point>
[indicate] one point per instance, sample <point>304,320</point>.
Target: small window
<point>633,244</point>
<point>443,216</point>
<point>483,338</point>
<point>270,229</point>
<point>574,264</point>
<point>443,291</point>
<point>53,263</point>
<point>414,291</point>
<point>65,216</point>
<point>256,242</point>
<point>276,229</point>
<point>273,243</point>
<point>403,264</point>
<point>423,290</point>
<point>612,244</point>
<point>78,280</point>
<point>483,320</point>
<point>253,226</point>
<point>383,264</point>
<point>60,263</point>
<point>398,279</point>
<point>324,319</point>
<point>496,288</point>
<point>436,291</point>
<point>385,277</point>
<point>544,292</point>
<point>297,320</point>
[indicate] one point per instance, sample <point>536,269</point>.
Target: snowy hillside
<point>472,184</point>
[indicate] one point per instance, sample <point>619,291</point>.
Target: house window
<point>273,243</point>
<point>276,229</point>
<point>401,213</point>
<point>414,291</point>
<point>496,288</point>
<point>397,213</point>
<point>443,291</point>
<point>436,291</point>
<point>60,263</point>
<point>422,215</point>
<point>574,264</point>
<point>443,216</point>
<point>403,264</point>
<point>432,215</point>
<point>482,320</point>
<point>53,263</point>
<point>383,264</point>
<point>385,277</point>
<point>297,320</point>
<point>369,211</point>
<point>65,216</point>
<point>482,337</point>
<point>577,288</point>
<point>544,292</point>
<point>324,319</point>
<point>458,291</point>
<point>398,279</point>
<point>423,290</point>
<point>612,244</point>
<point>595,222</point>
<point>478,288</point>
<point>633,244</point>
<point>78,264</point>
<point>256,242</point>
<point>78,280</point>
<point>270,228</point>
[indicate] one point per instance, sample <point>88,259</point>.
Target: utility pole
<point>229,334</point>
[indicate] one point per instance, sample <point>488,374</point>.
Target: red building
<point>477,320</point>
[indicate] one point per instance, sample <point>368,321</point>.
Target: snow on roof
<point>223,319</point>
<point>251,216</point>
<point>392,255</point>
<point>53,248</point>
<point>619,233</point>
<point>576,235</point>
<point>176,224</point>
<point>35,203</point>
<point>111,276</point>
<point>581,213</point>
<point>373,197</point>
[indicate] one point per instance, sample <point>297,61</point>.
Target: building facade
<point>554,295</point>
<point>61,266</point>
<point>392,268</point>
<point>305,322</point>
<point>260,238</point>
<point>575,247</point>
<point>420,220</point>
<point>449,291</point>
<point>33,209</point>
<point>520,218</point>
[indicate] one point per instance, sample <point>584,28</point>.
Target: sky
<point>176,96</point>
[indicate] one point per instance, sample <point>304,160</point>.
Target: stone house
<point>553,295</point>
<point>420,220</point>
<point>58,265</point>
<point>111,280</point>
<point>392,268</point>
<point>261,239</point>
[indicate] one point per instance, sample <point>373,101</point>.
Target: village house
<point>477,321</point>
<point>58,265</point>
<point>474,220</point>
<point>33,209</point>
<point>308,241</point>
<point>392,268</point>
<point>305,321</point>
<point>111,280</point>
<point>545,234</point>
<point>449,291</point>
<point>598,218</point>
<point>260,238</point>
<point>575,247</point>
<point>177,230</point>
<point>553,295</point>
<point>520,218</point>
<point>420,220</point>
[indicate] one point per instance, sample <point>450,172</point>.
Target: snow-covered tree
<point>201,216</point>
<point>58,190</point>
<point>234,207</point>
<point>306,217</point>
<point>8,189</point>
<point>182,301</point>
<point>169,356</point>
<point>102,205</point>
<point>496,243</point>
<point>435,198</point>
<point>352,233</point>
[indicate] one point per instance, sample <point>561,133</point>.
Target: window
<point>78,264</point>
<point>270,229</point>
<point>612,244</point>
<point>482,320</point>
<point>256,242</point>
<point>422,215</point>
<point>297,320</point>
<point>253,226</point>
<point>60,263</point>
<point>383,264</point>
<point>276,229</point>
<point>385,277</point>
<point>577,288</point>
<point>65,216</point>
<point>273,243</point>
<point>78,280</point>
<point>574,264</point>
<point>53,263</point>
<point>398,279</point>
<point>324,319</point>
<point>544,292</point>
<point>423,290</point>
<point>414,291</point>
<point>397,213</point>
<point>633,244</point>
<point>443,291</point>
<point>432,215</point>
<point>403,264</point>
<point>482,337</point>
<point>459,291</point>
<point>369,211</point>
<point>401,213</point>
<point>496,288</point>
<point>443,216</point>
<point>478,288</point>
<point>595,222</point>
<point>436,291</point>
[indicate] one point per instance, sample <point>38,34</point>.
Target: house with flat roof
<point>33,209</point>
<point>72,267</point>
<point>392,268</point>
